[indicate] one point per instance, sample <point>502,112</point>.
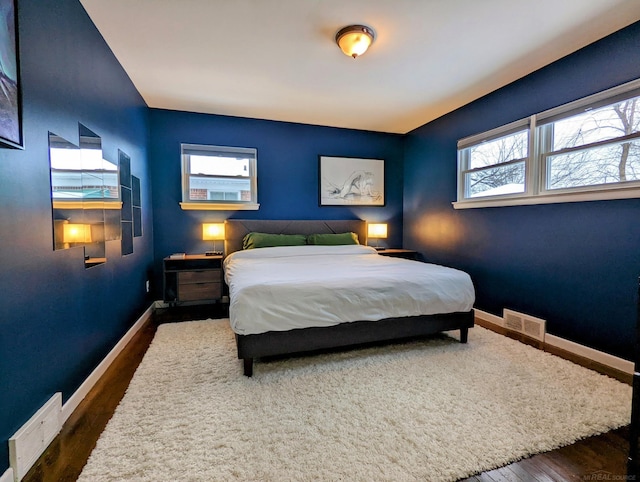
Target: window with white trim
<point>497,164</point>
<point>216,177</point>
<point>586,150</point>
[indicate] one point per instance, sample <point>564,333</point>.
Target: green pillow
<point>333,239</point>
<point>265,240</point>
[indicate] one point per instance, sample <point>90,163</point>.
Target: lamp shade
<point>377,230</point>
<point>76,233</point>
<point>213,231</point>
<point>354,40</point>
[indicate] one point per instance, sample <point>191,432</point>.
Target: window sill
<point>219,206</point>
<point>603,195</point>
<point>58,204</point>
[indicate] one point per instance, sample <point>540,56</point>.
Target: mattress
<point>284,288</point>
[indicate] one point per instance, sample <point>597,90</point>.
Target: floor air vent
<point>525,324</point>
<point>28,443</point>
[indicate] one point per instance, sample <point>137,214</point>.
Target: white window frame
<point>535,170</point>
<point>212,204</point>
<point>463,158</point>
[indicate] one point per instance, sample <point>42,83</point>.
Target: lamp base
<point>213,253</point>
<point>379,248</point>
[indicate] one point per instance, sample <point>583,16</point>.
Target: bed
<point>297,299</point>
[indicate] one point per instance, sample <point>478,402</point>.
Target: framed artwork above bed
<point>350,181</point>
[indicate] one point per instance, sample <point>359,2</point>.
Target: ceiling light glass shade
<point>354,40</point>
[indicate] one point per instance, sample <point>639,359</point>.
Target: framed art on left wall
<point>10,92</point>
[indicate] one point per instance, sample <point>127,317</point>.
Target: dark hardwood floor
<point>602,457</point>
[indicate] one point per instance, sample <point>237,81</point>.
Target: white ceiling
<point>277,59</point>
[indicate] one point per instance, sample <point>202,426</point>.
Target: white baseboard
<point>601,357</point>
<point>584,351</point>
<point>82,391</point>
<point>493,319</point>
<point>7,476</point>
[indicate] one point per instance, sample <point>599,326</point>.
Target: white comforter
<point>278,289</point>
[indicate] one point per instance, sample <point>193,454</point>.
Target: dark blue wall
<point>287,174</point>
<point>57,319</point>
<point>573,264</point>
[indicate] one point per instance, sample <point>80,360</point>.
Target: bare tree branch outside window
<point>610,160</point>
<point>494,169</point>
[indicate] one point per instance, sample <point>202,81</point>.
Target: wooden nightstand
<point>194,278</point>
<point>399,253</point>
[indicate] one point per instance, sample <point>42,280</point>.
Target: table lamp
<point>73,233</point>
<point>377,231</point>
<point>213,232</point>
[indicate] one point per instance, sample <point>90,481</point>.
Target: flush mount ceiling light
<point>354,40</point>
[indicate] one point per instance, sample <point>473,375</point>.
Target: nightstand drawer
<point>199,291</point>
<point>207,276</point>
<point>192,278</point>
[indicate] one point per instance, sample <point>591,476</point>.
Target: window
<point>593,148</point>
<point>585,150</point>
<point>496,165</point>
<point>215,177</point>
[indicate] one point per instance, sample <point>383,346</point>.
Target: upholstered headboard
<point>236,229</point>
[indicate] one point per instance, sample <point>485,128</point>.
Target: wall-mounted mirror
<point>84,195</point>
<point>126,217</point>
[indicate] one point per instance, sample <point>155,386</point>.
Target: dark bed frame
<point>277,343</point>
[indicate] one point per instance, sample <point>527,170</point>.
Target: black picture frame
<point>350,181</point>
<point>10,90</point>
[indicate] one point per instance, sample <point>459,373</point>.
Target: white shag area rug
<point>434,410</point>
